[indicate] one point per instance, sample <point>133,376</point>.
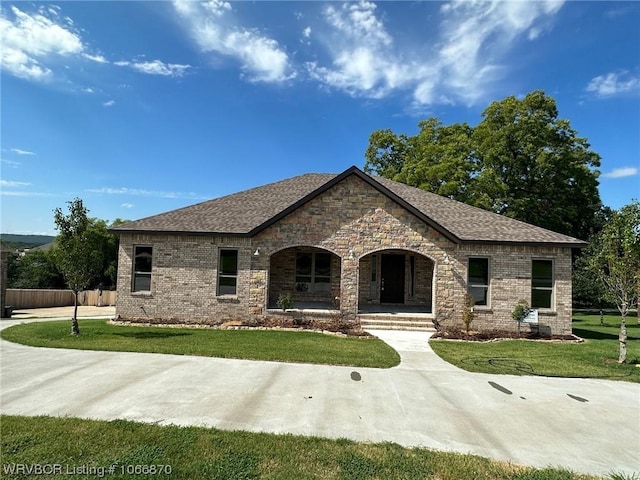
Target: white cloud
<point>95,58</point>
<point>156,67</point>
<point>619,11</point>
<point>363,60</point>
<point>31,39</point>
<point>127,205</point>
<point>19,151</point>
<point>11,184</point>
<point>216,7</point>
<point>10,163</point>
<point>621,172</point>
<point>613,84</point>
<point>460,65</point>
<point>261,57</point>
<point>109,103</point>
<point>306,33</point>
<point>13,193</point>
<point>358,22</point>
<point>138,192</point>
<point>475,35</point>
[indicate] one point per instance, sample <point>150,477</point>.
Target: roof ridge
<point>249,211</point>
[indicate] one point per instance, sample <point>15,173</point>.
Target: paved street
<point>590,426</point>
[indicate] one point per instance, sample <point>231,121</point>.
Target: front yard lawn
<point>121,449</point>
<point>596,357</point>
<point>280,346</point>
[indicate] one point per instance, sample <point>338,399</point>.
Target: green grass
<point>595,358</point>
<point>281,346</point>
<point>198,453</point>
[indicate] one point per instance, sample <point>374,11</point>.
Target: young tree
<point>77,259</point>
<point>616,263</point>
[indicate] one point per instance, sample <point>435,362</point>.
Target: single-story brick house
<point>349,243</point>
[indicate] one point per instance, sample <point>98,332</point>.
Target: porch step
<point>375,322</point>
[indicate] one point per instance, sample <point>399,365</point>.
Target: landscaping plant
<point>614,259</point>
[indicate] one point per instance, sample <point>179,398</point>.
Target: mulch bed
<point>494,335</point>
<point>341,329</point>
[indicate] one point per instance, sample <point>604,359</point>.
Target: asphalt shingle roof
<point>247,212</point>
<point>238,213</point>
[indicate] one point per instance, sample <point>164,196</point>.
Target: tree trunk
<point>75,329</point>
<point>623,339</point>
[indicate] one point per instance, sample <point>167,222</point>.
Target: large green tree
<point>614,260</point>
<point>76,256</point>
<point>521,160</point>
<point>107,244</point>
<point>39,269</point>
<point>36,269</point>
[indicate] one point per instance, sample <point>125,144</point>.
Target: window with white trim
<point>142,266</point>
<point>542,283</point>
<point>478,280</point>
<point>313,271</point>
<point>228,272</point>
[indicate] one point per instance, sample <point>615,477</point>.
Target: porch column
<point>445,290</point>
<point>258,280</point>
<point>349,287</point>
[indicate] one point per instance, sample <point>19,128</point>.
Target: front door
<point>392,279</point>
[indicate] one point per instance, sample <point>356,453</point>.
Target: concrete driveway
<point>590,426</point>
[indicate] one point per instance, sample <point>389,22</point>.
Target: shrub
<point>467,313</point>
<point>520,311</point>
<point>285,302</point>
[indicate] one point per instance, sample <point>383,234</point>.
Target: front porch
<point>397,310</point>
<point>370,317</point>
<point>392,288</point>
<point>396,317</point>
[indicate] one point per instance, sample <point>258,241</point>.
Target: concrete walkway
<point>63,312</point>
<point>590,426</point>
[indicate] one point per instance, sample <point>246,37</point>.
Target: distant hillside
<point>14,241</point>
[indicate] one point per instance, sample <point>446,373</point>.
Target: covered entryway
<point>396,290</point>
<point>310,275</point>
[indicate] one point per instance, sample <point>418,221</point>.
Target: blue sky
<point>143,107</point>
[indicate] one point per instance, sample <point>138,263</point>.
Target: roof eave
<point>525,243</point>
<point>178,233</point>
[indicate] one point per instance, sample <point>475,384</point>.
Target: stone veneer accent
<point>351,220</point>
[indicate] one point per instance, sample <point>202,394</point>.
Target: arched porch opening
<point>396,281</point>
<point>309,274</point>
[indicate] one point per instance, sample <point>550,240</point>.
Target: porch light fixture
<point>446,259</point>
<point>257,252</point>
<point>351,255</point>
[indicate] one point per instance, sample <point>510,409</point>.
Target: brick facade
<point>510,281</point>
<point>184,280</point>
<point>355,223</point>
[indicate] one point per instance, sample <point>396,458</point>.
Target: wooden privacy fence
<point>41,298</point>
